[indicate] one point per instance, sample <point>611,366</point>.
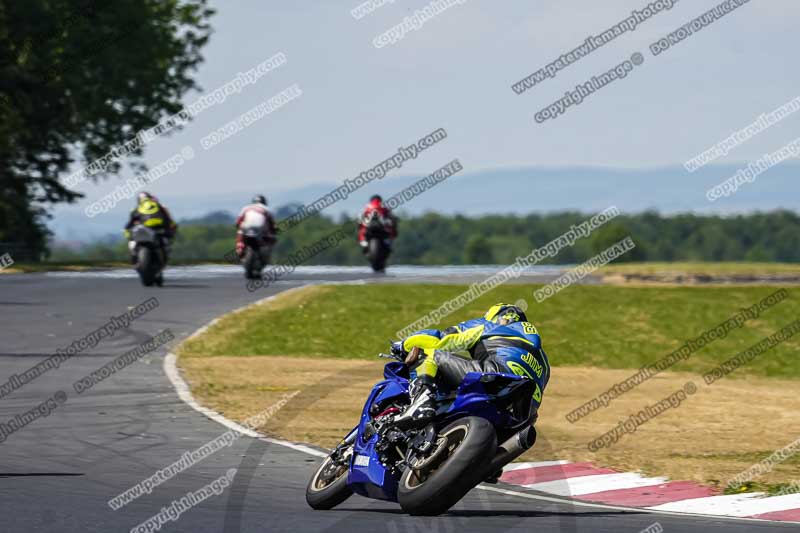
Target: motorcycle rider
<point>501,341</point>
<point>256,216</point>
<point>150,213</point>
<point>376,210</point>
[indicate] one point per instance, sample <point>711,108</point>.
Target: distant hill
<point>508,191</point>
<point>214,217</point>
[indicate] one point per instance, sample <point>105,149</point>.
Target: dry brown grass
<point>715,434</point>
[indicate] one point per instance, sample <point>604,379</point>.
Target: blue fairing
<point>373,479</point>
<point>483,395</point>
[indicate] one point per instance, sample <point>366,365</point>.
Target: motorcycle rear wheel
<point>252,264</point>
<point>463,450</point>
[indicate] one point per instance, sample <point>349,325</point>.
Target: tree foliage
<point>77,78</point>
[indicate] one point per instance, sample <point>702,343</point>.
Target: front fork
<point>347,442</point>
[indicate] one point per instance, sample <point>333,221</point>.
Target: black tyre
<point>376,255</point>
<point>252,264</point>
<point>463,451</point>
<point>328,486</point>
<point>145,266</point>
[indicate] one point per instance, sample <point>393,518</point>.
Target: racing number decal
<point>529,328</point>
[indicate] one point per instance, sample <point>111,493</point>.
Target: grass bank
<point>601,326</point>
<point>321,341</point>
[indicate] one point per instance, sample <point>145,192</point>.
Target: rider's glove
<point>398,350</point>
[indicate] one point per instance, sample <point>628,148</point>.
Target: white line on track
<point>185,394</point>
<point>182,388</point>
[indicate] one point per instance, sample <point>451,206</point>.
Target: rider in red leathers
<point>376,212</point>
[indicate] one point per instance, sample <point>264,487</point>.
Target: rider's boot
<point>423,406</point>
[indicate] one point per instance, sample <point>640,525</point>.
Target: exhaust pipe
<point>513,448</point>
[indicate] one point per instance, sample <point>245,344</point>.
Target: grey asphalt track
<point>58,472</point>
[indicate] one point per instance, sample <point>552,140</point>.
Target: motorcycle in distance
<point>427,470</point>
<point>256,253</point>
<point>377,238</point>
<point>147,248</point>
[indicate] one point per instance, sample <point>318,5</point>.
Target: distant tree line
<point>434,239</point>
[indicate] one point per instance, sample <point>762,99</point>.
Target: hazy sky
<point>360,103</point>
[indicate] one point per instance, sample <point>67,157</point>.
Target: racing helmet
<point>259,199</point>
<point>510,312</point>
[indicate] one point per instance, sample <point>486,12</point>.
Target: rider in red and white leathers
<point>256,216</point>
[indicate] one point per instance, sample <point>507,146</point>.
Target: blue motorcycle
<point>428,469</point>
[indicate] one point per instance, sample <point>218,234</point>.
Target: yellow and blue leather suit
<point>482,345</point>
<point>151,214</point>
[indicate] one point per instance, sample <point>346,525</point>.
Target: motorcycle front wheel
<point>252,264</point>
<point>436,482</point>
<point>145,266</point>
<point>328,487</point>
<point>376,253</point>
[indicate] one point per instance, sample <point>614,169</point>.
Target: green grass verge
<point>603,326</point>
<point>81,266</point>
<point>703,268</point>
<point>55,267</point>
